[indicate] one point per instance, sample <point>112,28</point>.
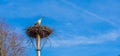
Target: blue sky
<point>81,27</point>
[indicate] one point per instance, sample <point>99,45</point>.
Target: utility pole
<point>38,44</point>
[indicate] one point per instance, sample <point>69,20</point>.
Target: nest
<point>43,31</point>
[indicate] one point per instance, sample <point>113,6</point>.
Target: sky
<point>81,27</point>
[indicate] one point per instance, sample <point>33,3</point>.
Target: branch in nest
<point>43,31</point>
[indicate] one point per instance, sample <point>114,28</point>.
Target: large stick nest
<point>43,31</point>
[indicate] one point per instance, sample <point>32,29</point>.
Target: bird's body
<point>36,24</point>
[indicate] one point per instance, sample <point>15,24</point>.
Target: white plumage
<point>38,22</point>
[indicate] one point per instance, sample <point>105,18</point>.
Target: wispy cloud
<point>77,40</point>
<point>90,13</point>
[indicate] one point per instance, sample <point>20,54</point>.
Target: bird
<point>38,22</point>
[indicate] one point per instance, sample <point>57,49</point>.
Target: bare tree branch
<point>10,43</point>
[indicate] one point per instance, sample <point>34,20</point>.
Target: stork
<point>38,22</point>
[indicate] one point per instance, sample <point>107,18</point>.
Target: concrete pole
<point>38,44</point>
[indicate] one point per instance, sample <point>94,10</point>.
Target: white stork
<point>38,22</point>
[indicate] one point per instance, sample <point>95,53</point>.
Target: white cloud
<point>77,40</point>
<point>78,8</point>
